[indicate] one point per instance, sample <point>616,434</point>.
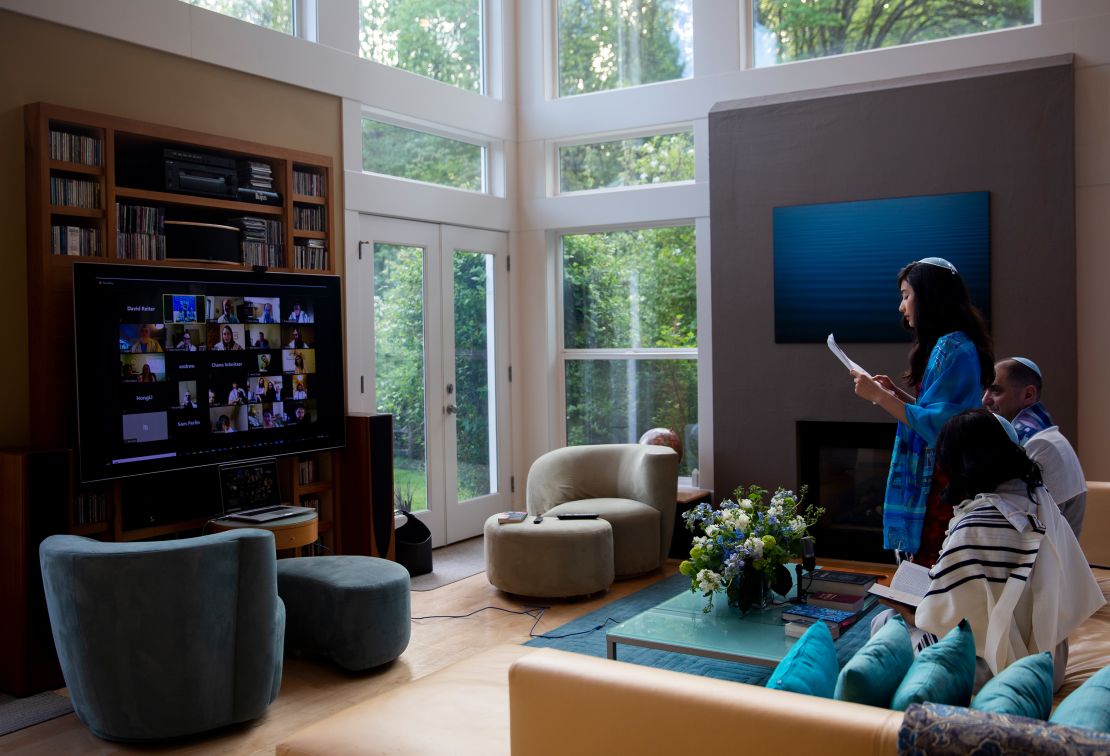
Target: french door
<point>435,356</point>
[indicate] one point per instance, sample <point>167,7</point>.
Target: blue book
<point>811,613</point>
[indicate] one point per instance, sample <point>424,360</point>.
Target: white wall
<point>527,120</point>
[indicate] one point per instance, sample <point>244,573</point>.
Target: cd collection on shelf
<point>74,240</point>
<point>75,148</point>
<point>140,232</point>
<point>261,241</point>
<point>308,184</point>
<point>90,507</point>
<point>307,472</point>
<point>310,218</point>
<point>74,192</point>
<point>312,254</point>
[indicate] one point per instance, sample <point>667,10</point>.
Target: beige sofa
<point>520,700</point>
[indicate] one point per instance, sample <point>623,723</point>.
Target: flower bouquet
<point>746,545</point>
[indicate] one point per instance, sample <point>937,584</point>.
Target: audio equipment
<point>366,477</point>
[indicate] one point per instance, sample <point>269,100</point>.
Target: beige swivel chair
<point>1096,524</point>
<point>632,486</point>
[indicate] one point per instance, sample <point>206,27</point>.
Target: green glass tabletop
<point>679,624</point>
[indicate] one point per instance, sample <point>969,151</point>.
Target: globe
<point>663,437</point>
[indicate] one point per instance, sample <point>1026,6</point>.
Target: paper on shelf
<point>839,354</point>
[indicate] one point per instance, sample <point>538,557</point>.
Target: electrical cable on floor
<point>536,612</point>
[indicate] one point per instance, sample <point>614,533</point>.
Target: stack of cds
<point>256,182</point>
<point>261,241</point>
<point>311,254</point>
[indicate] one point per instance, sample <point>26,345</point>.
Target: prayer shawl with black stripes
<point>1012,567</point>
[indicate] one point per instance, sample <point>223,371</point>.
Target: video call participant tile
<point>262,336</point>
<point>272,415</point>
<point>298,387</point>
<point>301,413</point>
<point>221,309</point>
<point>228,419</point>
<point>144,427</point>
<point>261,310</point>
<point>146,397</point>
<point>186,337</point>
<point>298,360</point>
<point>268,362</point>
<point>142,338</point>
<point>139,307</point>
<point>182,308</point>
<point>223,337</point>
<point>296,310</point>
<point>142,368</point>
<point>186,395</point>
<point>184,366</point>
<point>265,388</point>
<point>185,422</point>
<point>298,336</point>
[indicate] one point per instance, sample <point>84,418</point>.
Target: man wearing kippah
<point>1016,395</point>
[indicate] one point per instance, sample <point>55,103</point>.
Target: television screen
<point>186,367</point>
<point>836,264</point>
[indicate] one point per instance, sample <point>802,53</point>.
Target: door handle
<point>451,409</point>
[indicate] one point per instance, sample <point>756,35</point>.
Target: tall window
<point>440,39</point>
<point>609,44</point>
<point>630,336</point>
<point>273,14</point>
<point>787,30</point>
<point>655,159</point>
<point>421,156</point>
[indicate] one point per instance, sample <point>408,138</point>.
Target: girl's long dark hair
<point>941,306</point>
<point>977,455</point>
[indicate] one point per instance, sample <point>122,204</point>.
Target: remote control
<point>577,516</point>
<point>538,520</point>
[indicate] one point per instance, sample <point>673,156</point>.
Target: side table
<point>682,538</point>
<point>289,532</point>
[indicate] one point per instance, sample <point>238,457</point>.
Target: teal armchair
<point>164,639</point>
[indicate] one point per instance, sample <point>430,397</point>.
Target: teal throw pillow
<point>810,666</point>
<point>1023,688</point>
<point>1088,705</point>
<point>875,671</point>
<point>942,673</point>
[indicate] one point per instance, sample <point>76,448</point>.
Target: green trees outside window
<point>631,293</point>
<point>634,161</point>
<point>440,39</point>
<point>273,14</point>
<point>418,155</point>
<point>788,30</point>
<point>609,44</point>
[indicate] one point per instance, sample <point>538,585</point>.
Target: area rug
<point>452,563</point>
<point>18,713</point>
<point>592,643</point>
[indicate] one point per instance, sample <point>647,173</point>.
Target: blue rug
<point>593,643</point>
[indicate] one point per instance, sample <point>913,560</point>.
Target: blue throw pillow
<point>942,673</point>
<point>810,666</point>
<point>874,672</point>
<point>1023,688</point>
<point>1088,705</point>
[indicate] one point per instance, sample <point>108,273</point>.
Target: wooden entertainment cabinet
<point>82,188</point>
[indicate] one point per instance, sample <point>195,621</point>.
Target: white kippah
<point>1007,427</point>
<point>1029,364</point>
<point>939,262</point>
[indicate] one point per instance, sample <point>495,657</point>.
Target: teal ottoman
<point>354,610</point>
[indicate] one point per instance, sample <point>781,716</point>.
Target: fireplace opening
<point>845,466</point>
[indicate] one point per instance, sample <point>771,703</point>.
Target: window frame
<point>492,150</point>
<point>563,354</point>
<point>556,172</point>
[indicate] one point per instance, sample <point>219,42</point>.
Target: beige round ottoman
<point>554,558</point>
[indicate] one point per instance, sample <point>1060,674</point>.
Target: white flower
<point>798,524</point>
<point>700,541</point>
<point>743,520</point>
<point>754,546</point>
<point>708,581</point>
<point>746,504</point>
<point>712,531</point>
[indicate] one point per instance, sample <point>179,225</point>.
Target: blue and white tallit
<point>950,385</point>
<point>1012,567</point>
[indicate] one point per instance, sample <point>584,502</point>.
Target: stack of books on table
<point>836,598</point>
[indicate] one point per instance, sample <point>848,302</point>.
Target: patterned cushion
<point>942,673</point>
<point>941,730</point>
<point>1023,688</point>
<point>874,673</point>
<point>810,666</point>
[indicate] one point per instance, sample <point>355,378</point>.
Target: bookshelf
<point>98,188</point>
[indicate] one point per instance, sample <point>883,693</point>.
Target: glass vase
<point>750,591</point>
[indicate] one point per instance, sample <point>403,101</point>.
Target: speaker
<point>366,486</point>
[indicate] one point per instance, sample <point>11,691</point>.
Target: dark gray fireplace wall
<point>1009,132</point>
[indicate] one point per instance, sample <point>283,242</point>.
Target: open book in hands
<point>908,586</point>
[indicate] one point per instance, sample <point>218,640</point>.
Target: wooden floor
<point>312,690</point>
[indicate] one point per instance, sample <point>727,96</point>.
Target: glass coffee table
<point>678,624</point>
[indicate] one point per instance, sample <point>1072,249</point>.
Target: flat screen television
<point>836,264</point>
<point>189,367</point>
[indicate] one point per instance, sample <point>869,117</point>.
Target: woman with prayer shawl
<point>950,364</point>
<point>1010,564</point>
